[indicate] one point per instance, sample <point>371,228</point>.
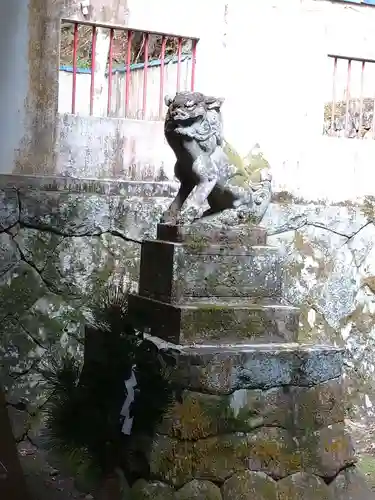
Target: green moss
<point>214,322</point>
<point>196,243</point>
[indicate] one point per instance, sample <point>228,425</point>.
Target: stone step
<point>203,234</point>
<point>204,321</point>
<point>228,367</point>
<point>171,272</point>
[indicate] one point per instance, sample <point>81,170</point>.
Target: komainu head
<point>191,106</point>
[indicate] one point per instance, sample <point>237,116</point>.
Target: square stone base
<point>203,321</point>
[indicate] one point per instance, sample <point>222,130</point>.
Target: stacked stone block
<point>259,415</point>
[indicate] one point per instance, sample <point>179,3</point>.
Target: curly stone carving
<point>193,129</point>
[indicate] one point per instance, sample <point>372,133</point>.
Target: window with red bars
<point>350,101</point>
<point>139,69</point>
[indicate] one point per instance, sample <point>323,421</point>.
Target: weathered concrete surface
<point>29,85</point>
<point>113,148</point>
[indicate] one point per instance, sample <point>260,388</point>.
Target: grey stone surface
<point>249,484</point>
<point>350,484</point>
<point>199,490</point>
<point>328,254</point>
<point>9,253</point>
<point>62,242</point>
<point>204,233</point>
<point>274,451</point>
<point>271,450</point>
<point>215,321</point>
<point>318,406</point>
<point>196,415</point>
<point>9,214</point>
<point>325,452</point>
<point>225,368</point>
<point>172,272</point>
<point>151,490</point>
<point>303,486</point>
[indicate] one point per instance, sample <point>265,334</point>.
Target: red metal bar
<point>92,87</point>
<point>145,70</point>
<point>121,27</point>
<point>333,110</point>
<point>348,96</point>
<point>361,98</point>
<point>162,67</point>
<point>179,51</point>
<point>193,63</point>
<point>127,78</point>
<point>75,49</point>
<point>110,68</point>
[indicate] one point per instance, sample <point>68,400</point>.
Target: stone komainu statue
<point>193,129</point>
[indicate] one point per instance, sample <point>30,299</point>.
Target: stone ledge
<point>88,186</point>
<point>203,233</point>
<point>224,368</point>
<point>204,321</point>
<point>70,207</point>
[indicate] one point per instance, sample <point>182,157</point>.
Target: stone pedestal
<point>260,416</point>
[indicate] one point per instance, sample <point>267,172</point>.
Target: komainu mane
<point>194,130</point>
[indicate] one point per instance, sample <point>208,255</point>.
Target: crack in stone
<point>4,273</point>
<point>20,406</point>
<point>305,223</point>
<point>15,375</point>
<point>89,234</point>
<point>47,283</point>
<point>31,336</point>
<point>18,198</point>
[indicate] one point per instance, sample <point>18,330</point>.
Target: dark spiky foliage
<point>83,413</point>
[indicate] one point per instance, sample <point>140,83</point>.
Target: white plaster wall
<point>269,60</point>
<point>279,88</point>
<point>204,19</point>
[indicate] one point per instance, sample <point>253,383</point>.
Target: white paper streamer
<point>130,384</point>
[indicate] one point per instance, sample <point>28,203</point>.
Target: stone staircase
<point>260,416</point>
